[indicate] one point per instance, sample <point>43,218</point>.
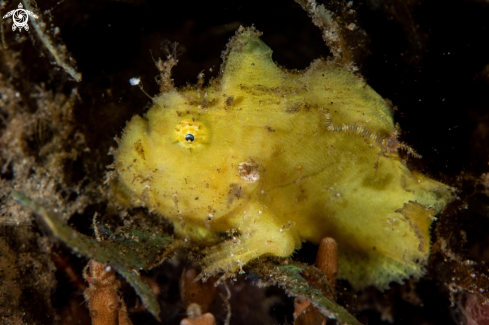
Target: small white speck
<point>481,290</point>
<point>108,269</point>
<point>351,26</point>
<point>134,81</point>
<point>472,275</point>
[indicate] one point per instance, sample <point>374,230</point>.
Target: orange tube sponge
<point>104,303</point>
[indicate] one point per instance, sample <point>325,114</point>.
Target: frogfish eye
<point>191,134</point>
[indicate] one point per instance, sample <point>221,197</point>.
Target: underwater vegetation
<point>83,234</point>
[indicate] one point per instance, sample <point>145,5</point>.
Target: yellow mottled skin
<point>281,157</point>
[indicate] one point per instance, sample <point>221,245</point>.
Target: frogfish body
<point>268,158</point>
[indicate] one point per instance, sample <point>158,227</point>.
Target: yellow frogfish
<point>264,158</point>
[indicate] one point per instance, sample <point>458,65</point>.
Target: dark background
<point>428,57</point>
